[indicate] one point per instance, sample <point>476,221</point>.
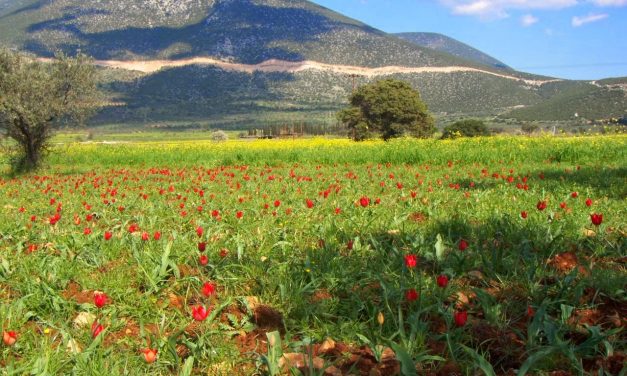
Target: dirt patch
<point>565,262</point>
<point>73,291</point>
<point>321,295</point>
<point>419,217</point>
<point>268,319</point>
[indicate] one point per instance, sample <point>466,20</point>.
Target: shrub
<point>219,136</point>
<point>529,128</point>
<point>466,128</point>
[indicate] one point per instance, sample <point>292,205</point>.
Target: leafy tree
<point>466,128</point>
<point>529,128</point>
<point>37,97</point>
<point>389,108</point>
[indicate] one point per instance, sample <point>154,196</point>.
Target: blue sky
<point>575,39</point>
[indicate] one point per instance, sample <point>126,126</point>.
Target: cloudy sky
<point>576,39</point>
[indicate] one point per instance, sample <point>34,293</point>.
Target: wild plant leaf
<point>408,367</point>
<point>480,361</point>
<point>440,248</point>
<point>188,367</point>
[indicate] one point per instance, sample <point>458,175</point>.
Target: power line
<point>616,64</point>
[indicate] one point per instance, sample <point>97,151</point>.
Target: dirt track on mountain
<point>151,66</point>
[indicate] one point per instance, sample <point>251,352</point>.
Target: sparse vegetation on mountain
<point>389,108</point>
<point>451,46</point>
<point>36,97</point>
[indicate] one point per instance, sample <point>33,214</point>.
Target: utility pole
<point>354,76</point>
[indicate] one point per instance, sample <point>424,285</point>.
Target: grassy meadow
<point>502,255</point>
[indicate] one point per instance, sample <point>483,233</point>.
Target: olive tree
<point>37,97</point>
<point>389,108</point>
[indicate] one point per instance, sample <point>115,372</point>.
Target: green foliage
<point>529,128</point>
<point>36,97</point>
<point>466,128</point>
<point>390,108</point>
<point>298,262</point>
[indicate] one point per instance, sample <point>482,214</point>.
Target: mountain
<point>245,31</point>
<point>452,46</point>
<point>250,63</point>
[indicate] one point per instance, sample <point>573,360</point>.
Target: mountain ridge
<point>444,43</point>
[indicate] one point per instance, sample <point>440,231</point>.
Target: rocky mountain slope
<point>452,46</point>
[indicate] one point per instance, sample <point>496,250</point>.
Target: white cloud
<point>580,21</point>
<point>528,20</point>
<point>494,9</point>
<point>610,3</point>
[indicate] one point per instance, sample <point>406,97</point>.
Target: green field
<point>469,256</point>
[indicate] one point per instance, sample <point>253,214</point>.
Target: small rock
<point>327,345</point>
<point>296,360</point>
<point>73,347</point>
<point>84,320</point>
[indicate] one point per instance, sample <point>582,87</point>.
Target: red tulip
<point>588,202</point>
<point>563,205</point>
<point>541,205</point>
<point>310,204</point>
<point>199,231</point>
<point>411,295</point>
<point>364,202</point>
<point>96,329</point>
<point>530,311</point>
<point>100,299</point>
<point>411,261</point>
<point>239,214</point>
<point>208,289</point>
<point>224,252</point>
<point>463,244</point>
<point>523,214</point>
<point>107,235</point>
<point>574,194</point>
<point>596,219</point>
<point>277,203</point>
<point>442,280</point>
<point>460,318</point>
<point>202,246</point>
<point>133,228</point>
<point>157,235</point>
<point>145,236</point>
<point>200,313</point>
<point>203,260</point>
<point>349,245</point>
<point>9,338</point>
<point>150,355</point>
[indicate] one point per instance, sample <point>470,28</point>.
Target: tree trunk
<point>32,155</point>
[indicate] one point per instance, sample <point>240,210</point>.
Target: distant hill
<point>572,100</point>
<point>452,46</point>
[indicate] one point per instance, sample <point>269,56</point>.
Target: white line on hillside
<point>281,66</point>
